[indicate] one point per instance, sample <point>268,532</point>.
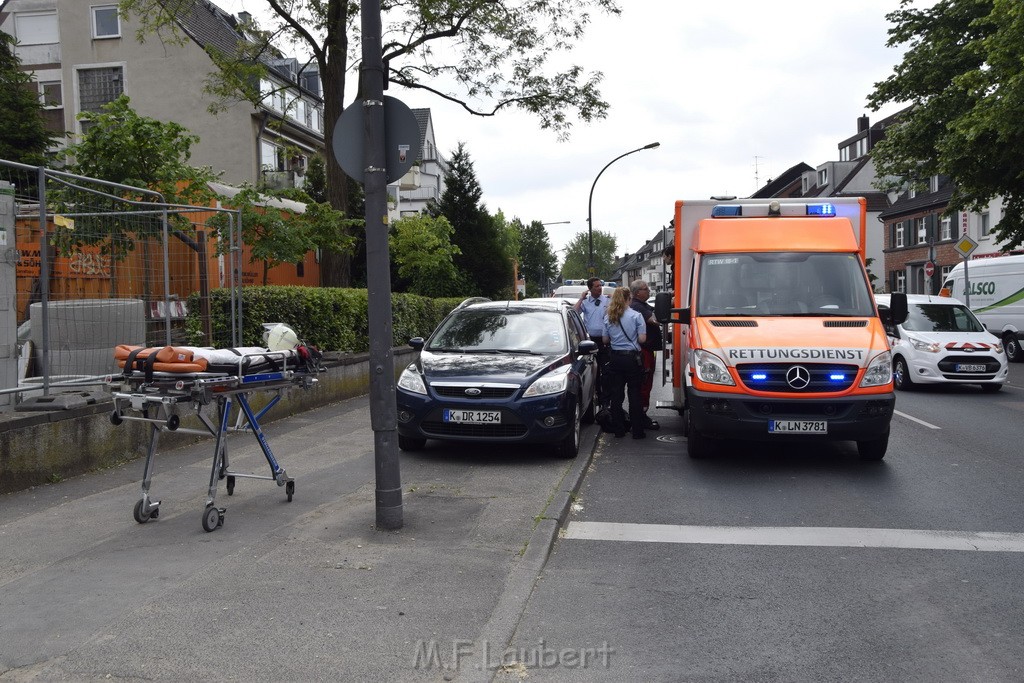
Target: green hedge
<point>332,319</point>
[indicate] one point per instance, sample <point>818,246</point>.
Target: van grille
<point>845,323</point>
<point>734,323</point>
<point>775,377</point>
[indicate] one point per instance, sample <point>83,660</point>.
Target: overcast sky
<point>736,91</point>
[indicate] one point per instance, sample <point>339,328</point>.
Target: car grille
<point>775,379</point>
<point>947,366</point>
<point>485,392</point>
<point>483,431</point>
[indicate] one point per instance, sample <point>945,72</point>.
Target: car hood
<point>978,342</point>
<point>485,367</point>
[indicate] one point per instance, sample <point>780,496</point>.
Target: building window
<point>823,177</point>
<point>844,154</point>
<point>985,227</point>
<point>922,230</point>
<point>933,184</point>
<point>901,282</point>
<point>946,228</point>
<point>51,97</point>
<point>912,192</point>
<point>862,147</point>
<point>97,87</point>
<point>944,273</point>
<point>899,233</point>
<point>36,28</point>
<point>105,22</point>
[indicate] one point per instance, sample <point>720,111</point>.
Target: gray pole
<point>590,204</point>
<point>383,409</point>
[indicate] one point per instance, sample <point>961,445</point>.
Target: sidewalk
<point>299,591</point>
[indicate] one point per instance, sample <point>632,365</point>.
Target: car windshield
<point>492,330</point>
<point>783,283</point>
<point>941,318</point>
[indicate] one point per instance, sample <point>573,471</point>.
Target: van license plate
<point>798,426</point>
<point>969,367</point>
<point>474,416</point>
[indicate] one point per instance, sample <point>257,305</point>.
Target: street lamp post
<point>590,204</point>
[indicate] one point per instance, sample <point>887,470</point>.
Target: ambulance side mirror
<point>663,310</point>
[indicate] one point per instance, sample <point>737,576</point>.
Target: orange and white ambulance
<point>777,335</point>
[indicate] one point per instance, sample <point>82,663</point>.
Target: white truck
<point>993,288</point>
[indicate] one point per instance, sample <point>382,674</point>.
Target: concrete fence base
<point>47,446</point>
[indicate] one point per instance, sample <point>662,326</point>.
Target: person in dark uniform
<point>625,331</point>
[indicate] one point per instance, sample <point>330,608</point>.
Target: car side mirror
<point>898,310</point>
<point>417,343</point>
<point>587,347</point>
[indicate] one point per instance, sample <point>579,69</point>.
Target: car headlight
<point>998,347</point>
<point>710,368</point>
<point>922,345</point>
<point>555,382</point>
<point>411,380</point>
<point>879,371</point>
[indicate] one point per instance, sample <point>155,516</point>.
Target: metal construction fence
<point>88,264</point>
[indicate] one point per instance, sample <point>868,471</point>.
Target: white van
<point>572,293</point>
<point>996,296</point>
<point>942,342</point>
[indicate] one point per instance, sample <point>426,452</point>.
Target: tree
<point>577,254</point>
<point>277,235</point>
<point>963,74</point>
<point>23,134</point>
<point>122,147</point>
<point>485,258</point>
<point>498,53</point>
<point>422,249</point>
<point>537,262</point>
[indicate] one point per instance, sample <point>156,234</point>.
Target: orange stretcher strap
<point>159,359</point>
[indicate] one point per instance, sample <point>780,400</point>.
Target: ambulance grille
<point>816,378</point>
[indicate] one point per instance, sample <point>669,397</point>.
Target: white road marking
<point>843,537</point>
<point>922,422</point>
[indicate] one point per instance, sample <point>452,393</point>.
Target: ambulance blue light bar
<point>775,208</point>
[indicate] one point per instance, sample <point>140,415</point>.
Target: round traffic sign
<point>929,268</point>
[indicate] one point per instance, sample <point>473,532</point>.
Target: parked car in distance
<point>500,371</point>
<point>942,341</point>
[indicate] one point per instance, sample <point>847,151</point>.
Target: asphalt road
<point>794,564</point>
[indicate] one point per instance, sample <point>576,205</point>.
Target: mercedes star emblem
<point>798,377</point>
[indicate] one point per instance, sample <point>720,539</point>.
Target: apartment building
<point>84,55</point>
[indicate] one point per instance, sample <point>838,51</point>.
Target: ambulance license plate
<point>798,426</point>
<point>970,367</point>
<point>473,416</point>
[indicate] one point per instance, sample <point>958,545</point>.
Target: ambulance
<point>777,337</point>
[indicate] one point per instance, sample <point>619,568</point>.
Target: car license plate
<point>969,367</point>
<point>798,426</point>
<point>475,416</point>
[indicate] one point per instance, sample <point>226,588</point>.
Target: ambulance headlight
<point>879,371</point>
<point>710,368</point>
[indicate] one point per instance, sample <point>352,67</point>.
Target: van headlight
<point>710,368</point>
<point>555,382</point>
<point>922,345</point>
<point>412,381</point>
<point>879,371</point>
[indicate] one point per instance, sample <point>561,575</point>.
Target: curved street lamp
<point>590,203</point>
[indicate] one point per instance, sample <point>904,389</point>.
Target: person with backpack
<point>625,332</point>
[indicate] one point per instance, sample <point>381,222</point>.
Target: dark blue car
<point>500,371</point>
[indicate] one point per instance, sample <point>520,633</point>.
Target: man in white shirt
<point>592,306</point>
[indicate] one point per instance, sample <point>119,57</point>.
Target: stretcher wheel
<point>212,518</point>
<point>172,422</point>
<point>289,490</point>
<point>231,485</point>
<point>141,514</point>
<point>115,418</point>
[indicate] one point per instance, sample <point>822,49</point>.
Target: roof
<point>776,186</point>
<point>905,205</point>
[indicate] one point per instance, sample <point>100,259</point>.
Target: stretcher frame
<point>158,398</point>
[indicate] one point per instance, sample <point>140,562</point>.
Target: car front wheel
<point>901,375</point>
<point>569,446</point>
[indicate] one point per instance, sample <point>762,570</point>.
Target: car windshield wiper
<point>518,351</point>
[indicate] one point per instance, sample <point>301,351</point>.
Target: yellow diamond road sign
<point>966,246</point>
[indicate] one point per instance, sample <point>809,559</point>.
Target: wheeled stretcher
<point>159,385</point>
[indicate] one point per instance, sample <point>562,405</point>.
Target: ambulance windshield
<point>784,284</point>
